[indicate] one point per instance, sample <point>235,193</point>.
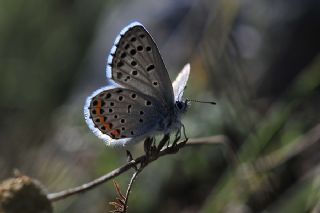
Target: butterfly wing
<point>180,82</point>
<point>135,63</point>
<point>120,116</point>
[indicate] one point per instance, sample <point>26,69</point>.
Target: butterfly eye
<point>179,105</point>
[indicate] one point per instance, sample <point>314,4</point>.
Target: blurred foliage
<point>259,60</point>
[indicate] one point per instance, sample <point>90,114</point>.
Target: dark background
<point>259,60</point>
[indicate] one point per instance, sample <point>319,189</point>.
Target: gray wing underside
<point>135,63</point>
<point>123,113</point>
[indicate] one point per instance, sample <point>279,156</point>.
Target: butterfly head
<point>182,106</point>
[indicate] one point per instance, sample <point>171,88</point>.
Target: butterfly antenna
<point>204,102</point>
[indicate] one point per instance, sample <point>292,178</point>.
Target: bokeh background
<point>259,60</point>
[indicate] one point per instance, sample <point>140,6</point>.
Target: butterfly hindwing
<point>121,113</point>
<point>135,63</point>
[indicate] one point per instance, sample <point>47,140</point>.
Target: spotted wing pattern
<point>123,113</point>
<point>140,100</point>
<point>135,63</point>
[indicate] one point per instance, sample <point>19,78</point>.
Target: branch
<point>217,139</point>
<point>220,139</point>
<point>133,178</point>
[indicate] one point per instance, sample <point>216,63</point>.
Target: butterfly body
<point>140,100</point>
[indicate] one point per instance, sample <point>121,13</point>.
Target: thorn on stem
<point>119,204</point>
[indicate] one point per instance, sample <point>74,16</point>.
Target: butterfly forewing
<point>136,64</point>
<point>123,113</point>
<point>180,82</point>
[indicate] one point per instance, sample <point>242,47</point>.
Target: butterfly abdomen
<point>169,124</point>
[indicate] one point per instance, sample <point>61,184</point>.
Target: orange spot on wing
<point>101,119</point>
<point>98,107</point>
<point>107,126</point>
<point>99,103</point>
<point>115,132</point>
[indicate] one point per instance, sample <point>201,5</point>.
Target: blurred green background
<point>259,60</point>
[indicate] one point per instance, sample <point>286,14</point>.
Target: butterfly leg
<point>184,134</point>
<point>130,158</point>
<point>148,145</point>
<point>150,149</point>
<point>177,137</point>
<point>164,140</point>
<point>175,146</point>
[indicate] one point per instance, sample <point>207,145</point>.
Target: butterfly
<point>140,100</point>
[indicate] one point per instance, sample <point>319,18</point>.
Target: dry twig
<point>133,164</point>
